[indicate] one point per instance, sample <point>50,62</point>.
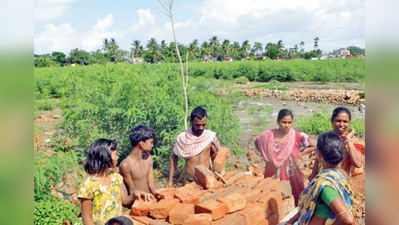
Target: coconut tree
<point>206,51</point>
<point>137,49</point>
<point>226,48</point>
<point>193,49</point>
<point>257,49</point>
<point>113,49</point>
<point>214,45</point>
<point>153,50</point>
<point>316,43</point>
<point>235,49</point>
<point>245,48</point>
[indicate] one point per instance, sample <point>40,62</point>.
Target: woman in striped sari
<point>328,199</point>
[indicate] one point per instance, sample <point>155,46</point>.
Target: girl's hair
<point>283,113</point>
<point>99,156</point>
<point>340,110</point>
<point>330,147</point>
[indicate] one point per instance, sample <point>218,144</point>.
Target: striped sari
<point>308,199</point>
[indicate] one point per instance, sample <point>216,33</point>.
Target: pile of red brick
<point>242,200</point>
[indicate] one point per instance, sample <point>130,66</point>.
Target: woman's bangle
<point>348,140</point>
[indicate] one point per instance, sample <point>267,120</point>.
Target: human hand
<point>143,195</point>
<point>351,133</point>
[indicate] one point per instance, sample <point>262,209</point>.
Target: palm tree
<point>137,49</point>
<point>316,43</point>
<point>302,46</point>
<point>214,45</point>
<point>105,45</point>
<point>245,48</point>
<point>280,44</point>
<point>193,49</point>
<point>153,50</point>
<point>113,49</point>
<point>226,48</point>
<point>206,51</point>
<point>235,50</point>
<point>257,48</point>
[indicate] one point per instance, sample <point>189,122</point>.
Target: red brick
<point>199,219</point>
<point>159,222</point>
<point>186,197</point>
<point>234,179</point>
<point>161,209</point>
<point>253,195</point>
<point>267,183</point>
<point>141,207</point>
<point>232,219</point>
<point>253,214</point>
<point>213,207</point>
<point>180,212</point>
<point>233,202</point>
<point>284,187</point>
<point>235,189</point>
<point>220,160</point>
<point>208,196</point>
<point>273,201</point>
<point>165,193</point>
<point>218,184</point>
<point>205,176</point>
<point>141,220</point>
<point>249,183</point>
<point>275,218</point>
<point>229,174</point>
<point>250,152</point>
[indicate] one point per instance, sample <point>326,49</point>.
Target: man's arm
<point>151,180</point>
<point>127,178</point>
<point>214,152</point>
<point>173,165</point>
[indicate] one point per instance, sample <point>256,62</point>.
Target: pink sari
<point>280,157</point>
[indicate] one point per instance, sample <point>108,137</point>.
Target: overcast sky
<point>61,25</point>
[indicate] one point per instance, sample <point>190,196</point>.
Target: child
<point>136,168</point>
<point>102,194</point>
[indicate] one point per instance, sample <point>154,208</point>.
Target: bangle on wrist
<point>348,140</point>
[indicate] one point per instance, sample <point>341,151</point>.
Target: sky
<point>62,25</point>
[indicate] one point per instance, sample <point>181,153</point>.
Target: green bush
<point>45,104</point>
<point>320,122</point>
<point>242,80</point>
<point>55,211</point>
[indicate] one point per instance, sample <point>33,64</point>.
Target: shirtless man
<point>136,169</point>
<point>196,145</point>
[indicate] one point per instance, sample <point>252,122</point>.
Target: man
<point>196,145</point>
<point>137,168</point>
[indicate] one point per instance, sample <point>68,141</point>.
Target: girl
<point>102,194</point>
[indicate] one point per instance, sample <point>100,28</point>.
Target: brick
<point>232,219</point>
<point>272,201</point>
<point>165,193</point>
<point>253,214</point>
<point>180,212</point>
<point>234,189</point>
<point>213,207</point>
<point>253,195</point>
<point>233,202</point>
<point>284,187</point>
<point>141,220</point>
<point>141,207</point>
<point>229,174</point>
<point>249,183</point>
<point>288,205</point>
<point>205,176</point>
<point>234,179</point>
<point>199,219</point>
<point>188,198</point>
<point>267,183</point>
<point>159,222</point>
<point>161,209</point>
<point>250,152</point>
<point>208,196</point>
<point>220,160</point>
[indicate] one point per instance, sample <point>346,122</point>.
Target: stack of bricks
<point>244,200</point>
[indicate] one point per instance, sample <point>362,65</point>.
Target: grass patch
<point>46,104</point>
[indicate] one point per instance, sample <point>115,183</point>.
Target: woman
<point>354,148</point>
<point>328,198</point>
<point>280,148</point>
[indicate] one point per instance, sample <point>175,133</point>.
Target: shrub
<point>242,80</point>
<point>55,211</point>
<point>45,104</point>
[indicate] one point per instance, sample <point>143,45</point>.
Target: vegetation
<point>153,51</point>
<point>321,122</point>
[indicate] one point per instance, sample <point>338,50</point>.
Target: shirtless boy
<point>136,168</point>
<point>196,145</point>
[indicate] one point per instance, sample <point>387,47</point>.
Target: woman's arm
<point>293,219</point>
<point>344,216</point>
<point>355,156</point>
<point>315,169</point>
<point>86,211</point>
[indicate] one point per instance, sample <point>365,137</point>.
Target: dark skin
<point>204,158</point>
<point>344,216</point>
<point>138,173</point>
<point>340,125</point>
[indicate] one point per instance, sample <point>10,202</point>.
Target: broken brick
<point>213,207</point>
<point>253,214</point>
<point>165,193</point>
<point>205,176</point>
<point>180,212</point>
<point>220,160</point>
<point>233,202</point>
<point>273,201</point>
<point>186,197</point>
<point>161,209</point>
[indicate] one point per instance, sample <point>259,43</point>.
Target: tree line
<point>153,51</point>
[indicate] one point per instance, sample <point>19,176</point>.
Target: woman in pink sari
<point>280,148</point>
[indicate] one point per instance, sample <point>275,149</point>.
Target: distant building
<point>227,59</point>
<point>342,53</point>
<point>138,60</point>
